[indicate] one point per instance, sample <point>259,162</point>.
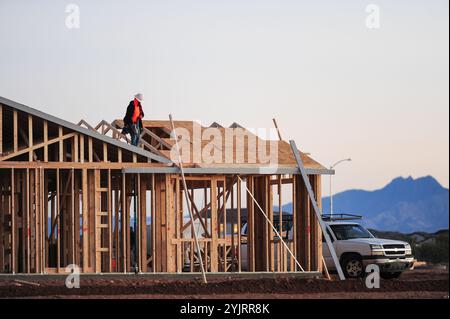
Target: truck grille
<point>394,249</point>
<point>394,246</point>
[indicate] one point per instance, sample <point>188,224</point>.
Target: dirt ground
<point>417,283</point>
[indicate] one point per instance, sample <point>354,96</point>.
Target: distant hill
<point>416,238</point>
<point>404,205</point>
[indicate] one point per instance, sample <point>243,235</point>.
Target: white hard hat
<point>140,97</point>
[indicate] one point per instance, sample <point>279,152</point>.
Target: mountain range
<point>404,205</point>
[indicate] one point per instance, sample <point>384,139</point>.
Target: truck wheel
<point>390,275</point>
<point>352,266</point>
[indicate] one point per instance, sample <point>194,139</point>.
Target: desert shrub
<point>435,253</point>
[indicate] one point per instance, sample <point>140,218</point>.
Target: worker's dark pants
<point>135,134</point>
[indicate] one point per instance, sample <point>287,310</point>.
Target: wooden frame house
<point>78,194</point>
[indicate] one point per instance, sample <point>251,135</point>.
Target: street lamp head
<point>331,193</point>
<point>342,160</point>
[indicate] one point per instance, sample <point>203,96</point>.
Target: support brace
<point>187,201</point>
<point>316,209</point>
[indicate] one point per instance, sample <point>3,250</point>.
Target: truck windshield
<point>344,232</point>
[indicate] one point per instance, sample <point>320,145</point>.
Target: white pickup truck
<point>356,248</point>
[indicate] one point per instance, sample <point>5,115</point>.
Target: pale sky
<point>338,88</point>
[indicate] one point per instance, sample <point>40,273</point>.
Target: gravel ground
<point>417,283</point>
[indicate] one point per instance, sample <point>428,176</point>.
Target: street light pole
<point>331,192</point>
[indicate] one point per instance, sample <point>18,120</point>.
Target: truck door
<point>326,251</point>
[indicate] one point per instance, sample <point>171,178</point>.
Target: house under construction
<point>78,194</point>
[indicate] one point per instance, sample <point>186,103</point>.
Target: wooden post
<point>303,224</point>
<point>81,148</point>
<point>250,226</point>
<point>44,219</point>
<point>72,217</point>
<point>271,243</point>
<point>316,232</point>
<point>143,222</point>
<point>61,149</point>
<point>1,130</point>
<point>58,212</point>
<point>37,248</point>
<point>124,223</point>
<point>153,225</point>
<point>28,227</point>
<point>30,138</point>
<point>214,228</point>
<point>137,222</point>
<point>15,128</point>
<point>179,222</point>
<point>294,219</point>
<point>13,224</point>
<point>170,230</point>
<point>233,227</point>
<point>52,236</point>
<point>44,199</point>
<point>267,192</point>
<point>260,224</point>
<point>91,219</point>
<point>280,247</point>
<point>97,238</point>
<point>90,149</point>
<point>110,239</point>
<point>45,141</point>
<point>77,197</point>
<point>105,152</point>
<point>117,225</point>
<point>224,220</point>
<point>75,149</point>
<point>239,223</point>
<point>3,223</point>
<point>127,209</point>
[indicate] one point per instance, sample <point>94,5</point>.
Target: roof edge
<point>82,130</point>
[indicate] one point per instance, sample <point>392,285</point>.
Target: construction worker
<point>133,119</point>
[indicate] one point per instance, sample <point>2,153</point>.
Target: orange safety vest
<point>137,112</point>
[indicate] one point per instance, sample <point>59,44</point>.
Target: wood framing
<point>79,194</point>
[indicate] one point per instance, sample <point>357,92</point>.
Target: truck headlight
<point>377,250</point>
<point>408,250</point>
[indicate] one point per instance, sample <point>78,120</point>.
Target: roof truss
<point>22,126</point>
